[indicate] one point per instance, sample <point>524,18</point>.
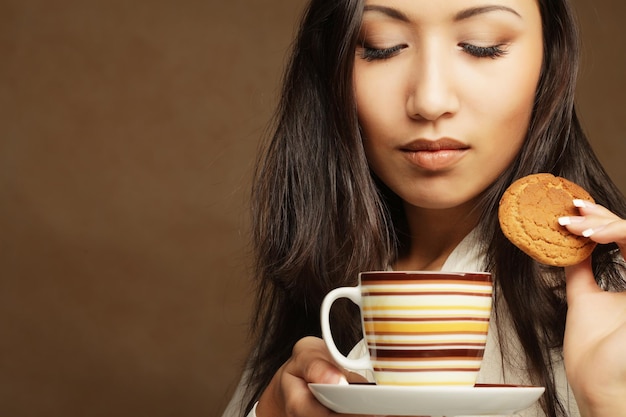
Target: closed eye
<point>494,51</point>
<point>369,53</point>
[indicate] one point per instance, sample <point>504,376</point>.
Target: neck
<point>434,235</point>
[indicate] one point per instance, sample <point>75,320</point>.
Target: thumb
<point>579,280</point>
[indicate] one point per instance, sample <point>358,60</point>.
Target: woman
<point>401,124</point>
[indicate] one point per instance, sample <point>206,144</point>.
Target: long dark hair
<point>319,216</point>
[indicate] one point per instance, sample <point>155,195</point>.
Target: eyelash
<point>494,51</point>
<point>378,54</point>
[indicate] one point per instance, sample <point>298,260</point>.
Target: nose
<point>431,91</point>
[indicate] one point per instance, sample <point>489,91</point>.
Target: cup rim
<point>373,272</point>
<point>425,276</point>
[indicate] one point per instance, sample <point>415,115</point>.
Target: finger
<point>312,362</point>
<point>590,214</point>
<point>288,393</point>
<point>587,208</point>
<point>580,281</point>
<point>289,396</point>
<point>607,232</point>
<point>300,401</point>
<point>356,378</point>
<point>598,230</point>
<point>597,223</point>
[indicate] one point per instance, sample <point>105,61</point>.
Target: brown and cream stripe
<point>425,327</point>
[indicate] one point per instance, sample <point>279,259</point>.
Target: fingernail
<point>582,203</point>
<point>588,232</point>
<point>564,221</point>
<point>335,378</point>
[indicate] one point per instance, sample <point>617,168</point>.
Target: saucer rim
<point>523,397</point>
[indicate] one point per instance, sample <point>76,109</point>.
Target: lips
<point>434,155</point>
<point>435,145</point>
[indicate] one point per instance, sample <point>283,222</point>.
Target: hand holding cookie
<point>596,223</point>
<point>595,333</point>
<point>557,223</point>
<point>529,215</point>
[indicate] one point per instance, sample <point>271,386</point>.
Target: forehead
<point>451,9</point>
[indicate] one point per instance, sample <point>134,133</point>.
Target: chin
<point>445,198</point>
<point>439,204</point>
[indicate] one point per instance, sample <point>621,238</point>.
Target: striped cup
<point>422,328</point>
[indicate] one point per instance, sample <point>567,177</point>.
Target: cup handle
<point>354,294</point>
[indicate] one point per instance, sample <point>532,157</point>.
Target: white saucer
<point>432,401</point>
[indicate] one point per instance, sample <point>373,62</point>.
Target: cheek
<point>518,94</point>
<point>509,104</point>
<point>378,99</point>
<point>367,110</point>
<point>517,119</point>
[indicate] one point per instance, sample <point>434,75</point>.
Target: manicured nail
<point>564,221</point>
<point>582,203</point>
<point>589,232</point>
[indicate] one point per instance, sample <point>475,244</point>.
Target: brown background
<point>127,134</point>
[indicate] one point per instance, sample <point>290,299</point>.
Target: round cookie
<point>529,212</point>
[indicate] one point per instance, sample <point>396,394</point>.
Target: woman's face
<point>444,92</point>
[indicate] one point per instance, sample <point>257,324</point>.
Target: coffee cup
<point>421,328</point>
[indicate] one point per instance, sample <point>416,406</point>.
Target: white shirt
<point>469,256</point>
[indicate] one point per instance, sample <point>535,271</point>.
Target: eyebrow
<point>462,15</point>
<point>467,13</point>
<point>388,11</point>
